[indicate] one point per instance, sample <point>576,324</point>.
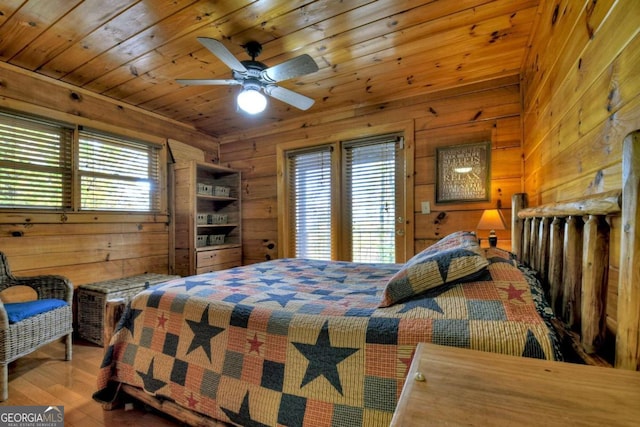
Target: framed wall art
<point>463,173</point>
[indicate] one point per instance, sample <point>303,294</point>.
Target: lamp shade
<point>252,101</point>
<point>492,219</point>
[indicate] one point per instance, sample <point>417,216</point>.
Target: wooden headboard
<point>568,243</point>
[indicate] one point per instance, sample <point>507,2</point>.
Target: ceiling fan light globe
<point>252,101</point>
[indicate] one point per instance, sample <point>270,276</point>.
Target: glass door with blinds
<point>369,194</point>
<point>309,202</point>
<point>344,200</point>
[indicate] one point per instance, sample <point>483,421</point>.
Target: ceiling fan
<point>255,77</point>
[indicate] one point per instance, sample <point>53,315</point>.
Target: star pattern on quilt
<point>203,332</point>
<point>407,360</point>
<point>255,344</point>
<point>151,384</point>
<point>129,321</point>
<point>108,357</point>
<point>323,358</point>
<point>191,401</point>
<point>532,347</point>
<point>282,299</point>
<point>367,291</point>
<point>514,293</point>
<point>445,262</point>
<point>426,303</point>
<point>162,320</point>
<point>269,282</point>
<point>190,284</point>
<point>243,417</point>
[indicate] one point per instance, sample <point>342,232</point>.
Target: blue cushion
<point>17,311</point>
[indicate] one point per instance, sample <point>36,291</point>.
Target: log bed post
<point>595,265</point>
<point>526,242</point>
<point>518,202</point>
<point>572,272</point>
<point>543,252</point>
<point>533,243</point>
<point>627,338</point>
<point>555,263</point>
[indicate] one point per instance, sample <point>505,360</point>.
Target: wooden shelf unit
<point>207,222</point>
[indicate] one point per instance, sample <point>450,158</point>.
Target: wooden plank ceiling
<point>370,53</point>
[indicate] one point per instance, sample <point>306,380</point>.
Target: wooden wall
<point>487,111</point>
<point>87,247</point>
<point>581,97</point>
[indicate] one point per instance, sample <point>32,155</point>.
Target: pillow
<point>500,255</point>
<point>430,269</point>
<point>17,311</point>
<point>458,239</point>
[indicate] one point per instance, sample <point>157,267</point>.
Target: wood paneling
<point>370,53</point>
<point>563,73</point>
<point>488,112</point>
<point>88,247</point>
<point>581,97</point>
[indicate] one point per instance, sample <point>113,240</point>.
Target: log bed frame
<point>568,244</point>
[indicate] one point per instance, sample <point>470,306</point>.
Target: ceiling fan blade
<point>208,82</point>
<point>298,66</point>
<point>290,97</point>
<point>220,50</point>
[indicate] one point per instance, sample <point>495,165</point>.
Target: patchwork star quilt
<point>295,342</point>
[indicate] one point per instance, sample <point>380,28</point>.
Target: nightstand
<point>476,388</point>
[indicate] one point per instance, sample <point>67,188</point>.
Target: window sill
<point>38,217</point>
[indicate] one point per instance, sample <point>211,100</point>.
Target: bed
<point>306,342</point>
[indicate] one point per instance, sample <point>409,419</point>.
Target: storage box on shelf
<point>207,217</point>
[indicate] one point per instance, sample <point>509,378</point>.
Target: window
<point>35,164</point>
<point>349,215</point>
<point>111,174</point>
<point>310,202</point>
<point>116,174</point>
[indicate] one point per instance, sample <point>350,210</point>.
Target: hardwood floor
<point>44,378</point>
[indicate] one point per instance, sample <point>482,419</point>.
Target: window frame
<point>117,140</point>
<point>405,226</point>
<point>347,217</point>
<point>74,214</point>
<point>320,149</point>
<point>37,143</point>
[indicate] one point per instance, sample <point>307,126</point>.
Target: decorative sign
<point>463,172</point>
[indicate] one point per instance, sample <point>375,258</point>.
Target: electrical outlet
<point>426,207</point>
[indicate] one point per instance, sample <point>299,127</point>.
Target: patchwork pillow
<point>430,269</point>
<point>17,311</point>
<point>458,239</point>
<point>500,255</point>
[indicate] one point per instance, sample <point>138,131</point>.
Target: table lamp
<point>492,220</point>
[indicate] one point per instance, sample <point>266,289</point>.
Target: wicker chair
<point>24,336</point>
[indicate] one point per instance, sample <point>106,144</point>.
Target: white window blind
<point>35,164</point>
<point>118,174</point>
<point>370,197</point>
<point>309,182</point>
